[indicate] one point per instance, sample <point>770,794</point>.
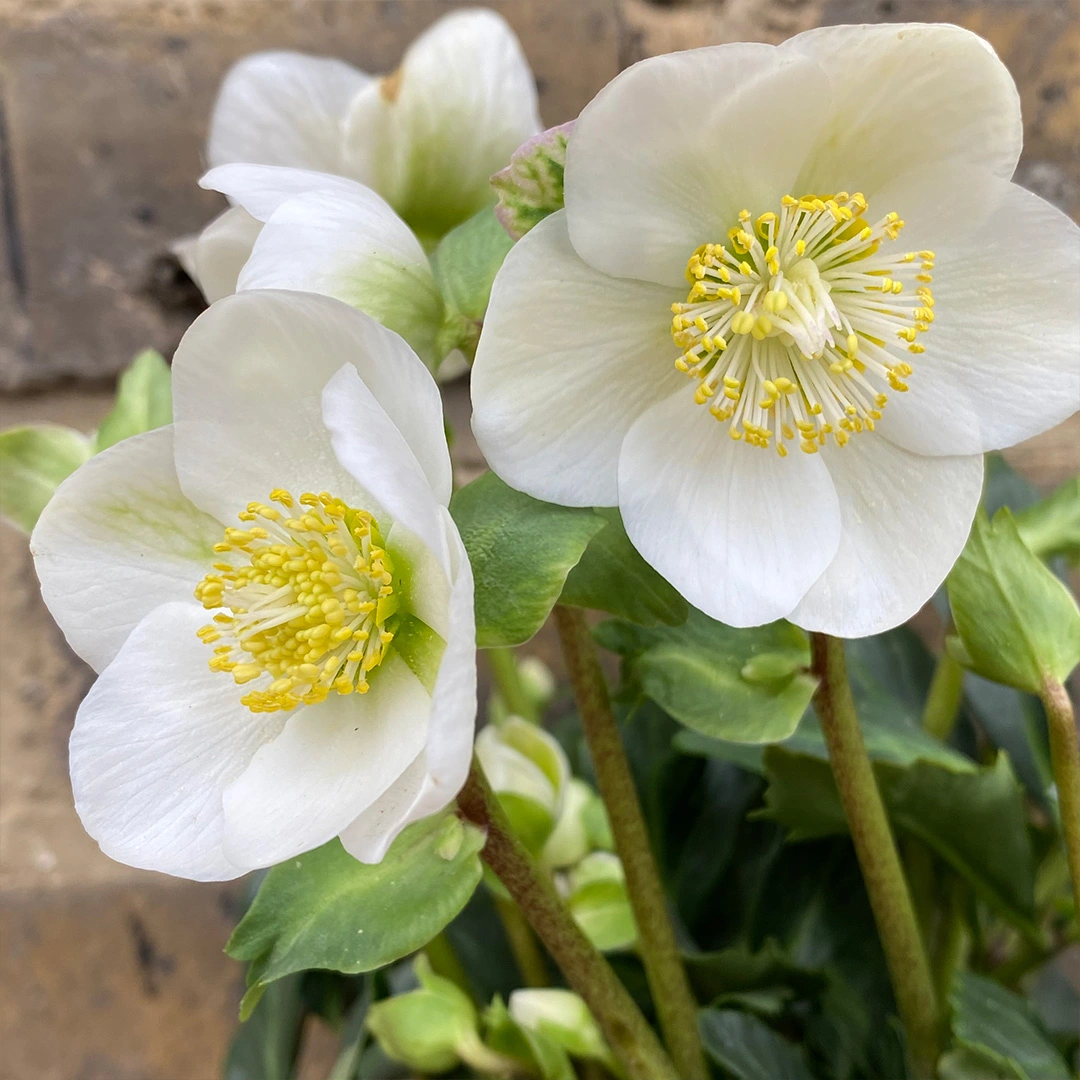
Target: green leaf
<point>143,400</point>
<point>891,733</point>
<point>1052,527</point>
<point>326,910</point>
<point>1017,623</point>
<point>33,462</point>
<point>739,969</point>
<point>521,551</point>
<point>973,819</point>
<point>613,577</point>
<point>465,264</point>
<point>972,1065</point>
<point>716,680</point>
<point>531,186</point>
<point>265,1047</point>
<point>748,1048</point>
<point>1000,1026</point>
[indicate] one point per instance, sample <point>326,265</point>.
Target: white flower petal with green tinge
<point>1002,360</point>
<point>666,155</point>
<point>374,451</point>
<point>903,94</point>
<point>435,779</point>
<point>117,539</point>
<point>156,742</point>
<point>904,521</point>
<point>329,764</point>
<point>567,361</point>
<point>248,378</point>
<point>352,246</point>
<point>220,251</point>
<point>261,189</point>
<point>741,532</point>
<point>429,136</point>
<point>283,108</point>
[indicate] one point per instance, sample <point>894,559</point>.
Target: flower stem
<point>875,848</point>
<point>523,944</point>
<point>508,679</point>
<point>944,697</point>
<point>675,1004</point>
<point>1065,762</point>
<point>445,962</point>
<point>631,1039</point>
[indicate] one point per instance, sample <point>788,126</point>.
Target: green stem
<point>523,943</point>
<point>944,697</point>
<point>675,1005</point>
<point>954,940</point>
<point>508,679</point>
<point>631,1039</point>
<point>875,848</point>
<point>1065,763</point>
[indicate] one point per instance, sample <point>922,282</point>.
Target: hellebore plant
<point>764,311</point>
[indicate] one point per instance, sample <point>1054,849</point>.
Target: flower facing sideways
<point>275,597</point>
<point>426,138</point>
<point>792,299</point>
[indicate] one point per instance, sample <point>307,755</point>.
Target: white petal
<point>741,532</point>
<point>429,137</point>
<point>904,521</point>
<point>1002,360</point>
<point>156,742</point>
<point>666,155</point>
<point>568,359</point>
<point>261,189</point>
<point>350,245</point>
<point>221,250</point>
<point>904,94</point>
<point>248,379</point>
<point>283,108</point>
<point>117,539</point>
<point>330,762</point>
<point>373,450</point>
<point>435,779</point>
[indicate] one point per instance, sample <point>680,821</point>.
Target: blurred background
<point>108,973</point>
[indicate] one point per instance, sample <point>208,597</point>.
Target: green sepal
<point>1051,526</point>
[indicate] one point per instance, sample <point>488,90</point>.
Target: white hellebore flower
<point>778,484</point>
<point>304,673</point>
<point>426,138</point>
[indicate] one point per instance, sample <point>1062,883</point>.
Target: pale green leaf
<point>33,462</point>
<point>1017,623</point>
<point>1000,1026</point>
<point>698,673</point>
<point>521,551</point>
<point>613,577</point>
<point>326,910</point>
<point>143,400</point>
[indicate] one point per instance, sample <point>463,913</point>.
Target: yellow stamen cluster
<point>795,328</point>
<point>305,600</point>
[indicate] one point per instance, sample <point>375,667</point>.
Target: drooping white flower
<point>314,232</point>
<point>305,672</point>
<point>427,137</point>
<point>810,232</point>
